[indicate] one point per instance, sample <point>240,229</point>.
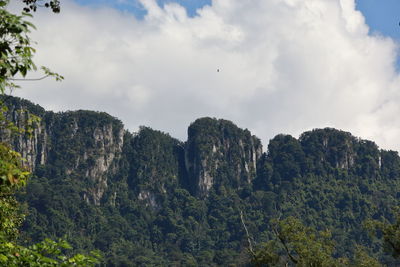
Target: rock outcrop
<point>146,198</point>
<point>334,149</point>
<point>94,149</point>
<point>219,153</point>
<point>25,117</point>
<point>83,144</point>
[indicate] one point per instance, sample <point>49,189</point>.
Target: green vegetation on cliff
<point>147,199</point>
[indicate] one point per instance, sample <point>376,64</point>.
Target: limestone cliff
<point>25,116</point>
<point>146,198</point>
<point>83,144</point>
<point>219,153</point>
<point>334,149</point>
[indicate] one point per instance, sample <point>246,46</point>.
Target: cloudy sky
<point>285,66</point>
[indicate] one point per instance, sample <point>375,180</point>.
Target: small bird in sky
<point>217,70</point>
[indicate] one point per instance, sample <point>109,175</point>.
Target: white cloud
<point>286,66</point>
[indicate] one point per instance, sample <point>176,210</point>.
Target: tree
<point>16,55</point>
<point>390,233</point>
<point>12,176</point>
<point>16,51</point>
<point>32,5</point>
<point>299,245</point>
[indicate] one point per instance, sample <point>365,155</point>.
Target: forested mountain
<point>148,199</point>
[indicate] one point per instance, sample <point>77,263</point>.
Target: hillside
<point>148,199</point>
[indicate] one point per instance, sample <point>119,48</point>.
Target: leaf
<point>3,258</point>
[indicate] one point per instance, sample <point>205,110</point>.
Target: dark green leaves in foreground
<point>45,253</point>
<point>298,245</point>
<point>13,176</point>
<point>16,50</point>
<point>389,232</point>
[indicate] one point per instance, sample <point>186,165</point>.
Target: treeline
<point>151,212</point>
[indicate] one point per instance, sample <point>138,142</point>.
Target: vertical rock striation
<point>82,144</point>
<point>24,115</point>
<point>218,153</point>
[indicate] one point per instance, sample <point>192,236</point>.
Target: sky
<point>382,17</point>
<point>285,66</point>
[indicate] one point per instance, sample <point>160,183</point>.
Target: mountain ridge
<point>180,203</point>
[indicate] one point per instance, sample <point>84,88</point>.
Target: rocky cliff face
<point>132,195</point>
<point>90,146</point>
<point>86,144</point>
<point>323,151</point>
<point>25,117</point>
<point>219,153</point>
<point>108,148</point>
<point>83,144</point>
<point>335,149</point>
<point>330,146</point>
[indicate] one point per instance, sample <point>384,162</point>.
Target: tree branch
<point>295,261</point>
<point>28,80</point>
<point>247,234</point>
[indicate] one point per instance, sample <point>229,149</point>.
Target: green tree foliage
<point>388,232</point>
<point>16,59</point>
<point>287,157</point>
<point>149,213</point>
<point>13,176</point>
<point>32,5</point>
<point>45,253</point>
<point>16,50</point>
<point>299,245</point>
<point>155,161</point>
<point>296,244</point>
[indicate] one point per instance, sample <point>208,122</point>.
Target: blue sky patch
<point>382,16</point>
<point>134,6</point>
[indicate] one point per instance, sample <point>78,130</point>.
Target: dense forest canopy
<point>326,198</point>
<point>147,199</point>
